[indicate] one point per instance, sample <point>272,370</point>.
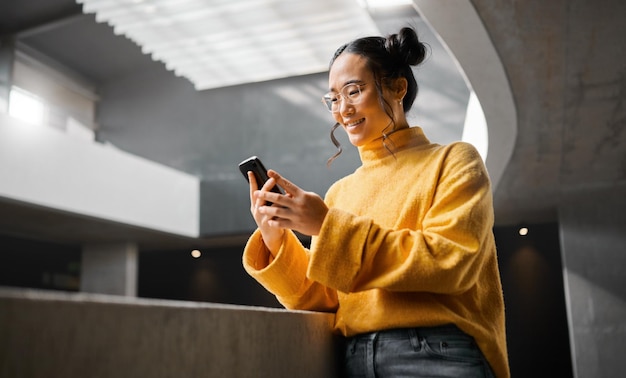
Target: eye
<point>353,91</point>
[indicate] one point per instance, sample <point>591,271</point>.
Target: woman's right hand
<point>272,235</point>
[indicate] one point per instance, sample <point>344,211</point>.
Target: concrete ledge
<point>54,334</point>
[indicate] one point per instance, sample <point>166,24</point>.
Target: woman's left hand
<point>297,210</point>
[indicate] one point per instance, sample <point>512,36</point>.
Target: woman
<point>402,249</point>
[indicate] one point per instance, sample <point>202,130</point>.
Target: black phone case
<point>255,165</point>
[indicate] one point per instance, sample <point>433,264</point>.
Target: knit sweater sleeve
<point>441,251</point>
<point>285,275</point>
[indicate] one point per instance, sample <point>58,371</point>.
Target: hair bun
<point>405,47</point>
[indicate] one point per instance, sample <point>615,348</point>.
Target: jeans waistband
<point>447,329</point>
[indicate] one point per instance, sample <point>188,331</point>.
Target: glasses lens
<point>331,100</point>
<point>328,101</point>
<point>351,94</point>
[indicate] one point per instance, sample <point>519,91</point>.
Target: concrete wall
<point>44,334</point>
<point>593,239</point>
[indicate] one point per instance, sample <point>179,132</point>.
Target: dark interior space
<point>39,265</point>
<point>532,281</point>
<point>217,275</point>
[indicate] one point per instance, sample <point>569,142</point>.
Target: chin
<point>356,142</point>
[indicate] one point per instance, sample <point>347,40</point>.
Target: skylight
<point>216,43</point>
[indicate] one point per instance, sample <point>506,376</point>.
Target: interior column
<point>110,268</point>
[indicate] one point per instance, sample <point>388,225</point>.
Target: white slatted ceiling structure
<point>217,43</point>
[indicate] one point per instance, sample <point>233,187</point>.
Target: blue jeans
<point>443,351</point>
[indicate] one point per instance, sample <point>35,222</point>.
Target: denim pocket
<point>453,347</point>
<point>459,353</point>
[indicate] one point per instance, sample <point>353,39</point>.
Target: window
<point>46,93</point>
<point>26,107</point>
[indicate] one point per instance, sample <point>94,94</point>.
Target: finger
<point>260,198</point>
<point>269,184</point>
<point>273,216</point>
<point>252,180</point>
<point>288,186</point>
<point>253,186</point>
<point>255,200</point>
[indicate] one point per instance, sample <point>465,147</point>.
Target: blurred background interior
<point>122,124</point>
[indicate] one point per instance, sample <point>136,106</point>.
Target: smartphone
<point>254,164</point>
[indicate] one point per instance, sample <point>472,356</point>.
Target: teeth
<point>355,123</point>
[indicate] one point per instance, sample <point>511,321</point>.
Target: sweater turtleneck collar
<point>395,142</point>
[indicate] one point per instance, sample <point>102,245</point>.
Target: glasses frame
<point>329,104</point>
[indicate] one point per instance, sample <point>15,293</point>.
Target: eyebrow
<point>353,81</point>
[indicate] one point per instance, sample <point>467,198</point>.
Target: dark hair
<point>388,58</point>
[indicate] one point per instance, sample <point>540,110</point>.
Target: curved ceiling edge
<point>463,32</point>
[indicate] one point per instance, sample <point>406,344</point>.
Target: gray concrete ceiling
<point>564,61</point>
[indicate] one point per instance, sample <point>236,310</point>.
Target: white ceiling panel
<point>217,43</point>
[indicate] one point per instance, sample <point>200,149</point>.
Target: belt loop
<point>352,345</point>
<point>371,355</point>
<point>414,338</point>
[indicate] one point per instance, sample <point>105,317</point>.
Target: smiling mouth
<point>355,123</point>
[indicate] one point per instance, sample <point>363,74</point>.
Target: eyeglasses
<point>350,93</point>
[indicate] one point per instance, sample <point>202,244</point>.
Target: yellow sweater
<point>407,242</point>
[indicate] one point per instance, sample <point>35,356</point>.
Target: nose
<point>345,108</point>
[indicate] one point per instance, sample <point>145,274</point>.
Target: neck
<point>392,143</point>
